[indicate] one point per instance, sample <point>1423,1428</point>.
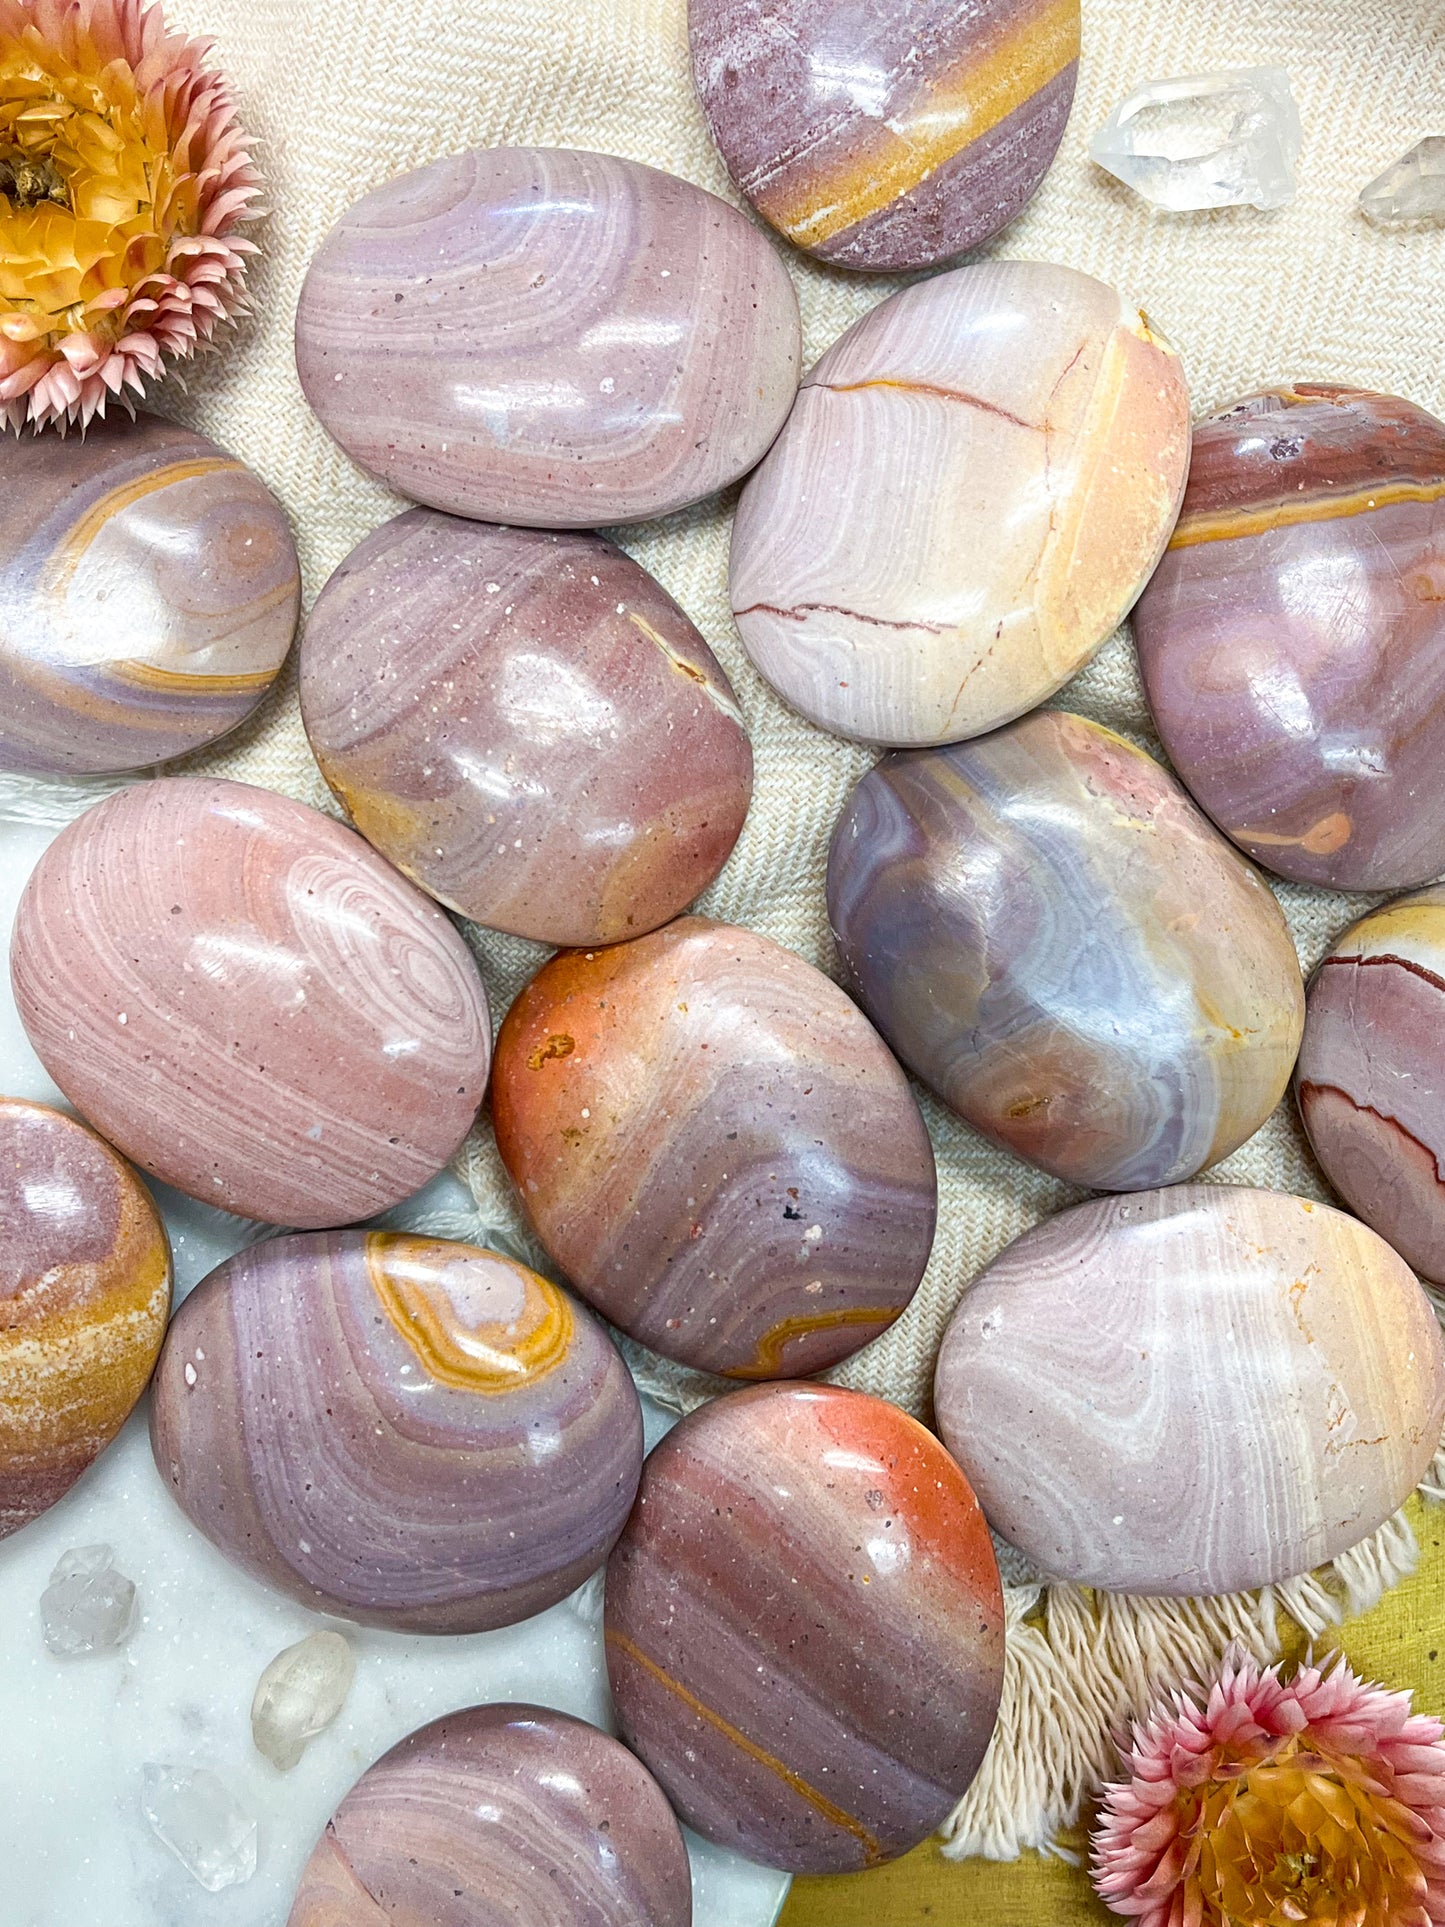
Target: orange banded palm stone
<point>85,1288</point>
<point>716,1148</point>
<point>804,1627</point>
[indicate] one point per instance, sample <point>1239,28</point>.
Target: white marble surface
<point>75,1734</point>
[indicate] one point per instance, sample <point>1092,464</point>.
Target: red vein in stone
<point>1388,957</point>
<point>802,610</point>
<point>930,388</point>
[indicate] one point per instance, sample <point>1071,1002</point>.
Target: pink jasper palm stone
<point>546,337</point>
<point>527,724</point>
<point>245,999</point>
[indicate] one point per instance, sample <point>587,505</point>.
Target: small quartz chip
<point>1411,189</point>
<point>1226,139</point>
<point>299,1694</point>
<point>192,1811</point>
<point>88,1605</point>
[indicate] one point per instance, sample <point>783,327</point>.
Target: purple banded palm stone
<point>1371,1077</point>
<point>1052,937</point>
<point>886,134</point>
<point>249,1002</point>
<point>527,725</point>
<point>404,1431</point>
<point>715,1146</point>
<point>149,591</point>
<point>500,1816</point>
<point>1293,639</point>
<point>804,1627</point>
<point>549,337</point>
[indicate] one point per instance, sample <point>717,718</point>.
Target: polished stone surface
<point>886,134</point>
<point>1293,639</point>
<point>716,1148</point>
<point>496,1816</point>
<point>149,591</point>
<point>248,1002</point>
<point>1196,1390</point>
<point>1225,139</point>
<point>1053,938</point>
<point>85,1290</point>
<point>399,1430</point>
<point>527,724</point>
<point>805,1628</point>
<point>974,485</point>
<point>1371,1077</point>
<point>548,337</point>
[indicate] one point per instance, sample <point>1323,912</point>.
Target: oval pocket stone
<point>526,724</point>
<point>85,1289</point>
<point>886,134</point>
<point>1196,1390</point>
<point>404,1431</point>
<point>804,1627</point>
<point>245,999</point>
<point>1051,936</point>
<point>717,1149</point>
<point>554,338</point>
<point>1371,1078</point>
<point>1292,641</point>
<point>496,1816</point>
<point>974,485</point>
<point>149,591</point>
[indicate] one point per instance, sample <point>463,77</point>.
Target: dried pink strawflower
<point>1322,1800</point>
<point>123,181</point>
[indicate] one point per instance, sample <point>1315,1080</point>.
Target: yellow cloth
<point>1400,1644</point>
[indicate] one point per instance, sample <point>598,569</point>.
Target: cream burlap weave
<point>341,94</point>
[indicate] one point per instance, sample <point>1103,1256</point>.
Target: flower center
<point>28,179</point>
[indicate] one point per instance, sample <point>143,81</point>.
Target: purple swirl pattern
<point>500,1816</point>
<point>1197,1390</point>
<point>1371,1077</point>
<point>974,485</point>
<point>149,592</point>
<point>716,1148</point>
<point>804,1627</point>
<point>548,337</point>
<point>243,997</point>
<point>527,725</point>
<point>403,1431</point>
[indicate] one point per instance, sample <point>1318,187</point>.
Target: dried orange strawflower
<point>123,180</point>
<point>1322,1800</point>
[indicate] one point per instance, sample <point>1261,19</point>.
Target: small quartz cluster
<point>1411,190</point>
<point>299,1695</point>
<point>1226,139</point>
<point>89,1605</point>
<point>192,1811</point>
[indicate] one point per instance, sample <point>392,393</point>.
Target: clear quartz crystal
<point>1411,189</point>
<point>1206,140</point>
<point>88,1605</point>
<point>299,1694</point>
<point>193,1812</point>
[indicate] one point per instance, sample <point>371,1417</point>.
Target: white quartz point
<point>1206,140</point>
<point>1411,189</point>
<point>193,1812</point>
<point>88,1605</point>
<point>299,1694</point>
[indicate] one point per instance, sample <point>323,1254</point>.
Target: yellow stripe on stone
<point>768,1359</point>
<point>406,1274</point>
<point>1229,524</point>
<point>115,501</point>
<point>820,1803</point>
<point>149,675</point>
<point>952,111</point>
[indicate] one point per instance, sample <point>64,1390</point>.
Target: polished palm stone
<point>500,1816</point>
<point>716,1148</point>
<point>1293,638</point>
<point>249,1002</point>
<point>404,1431</point>
<point>527,725</point>
<point>972,489</point>
<point>554,338</point>
<point>85,1288</point>
<point>1054,939</point>
<point>1197,1390</point>
<point>149,591</point>
<point>1371,1077</point>
<point>886,134</point>
<point>804,1627</point>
